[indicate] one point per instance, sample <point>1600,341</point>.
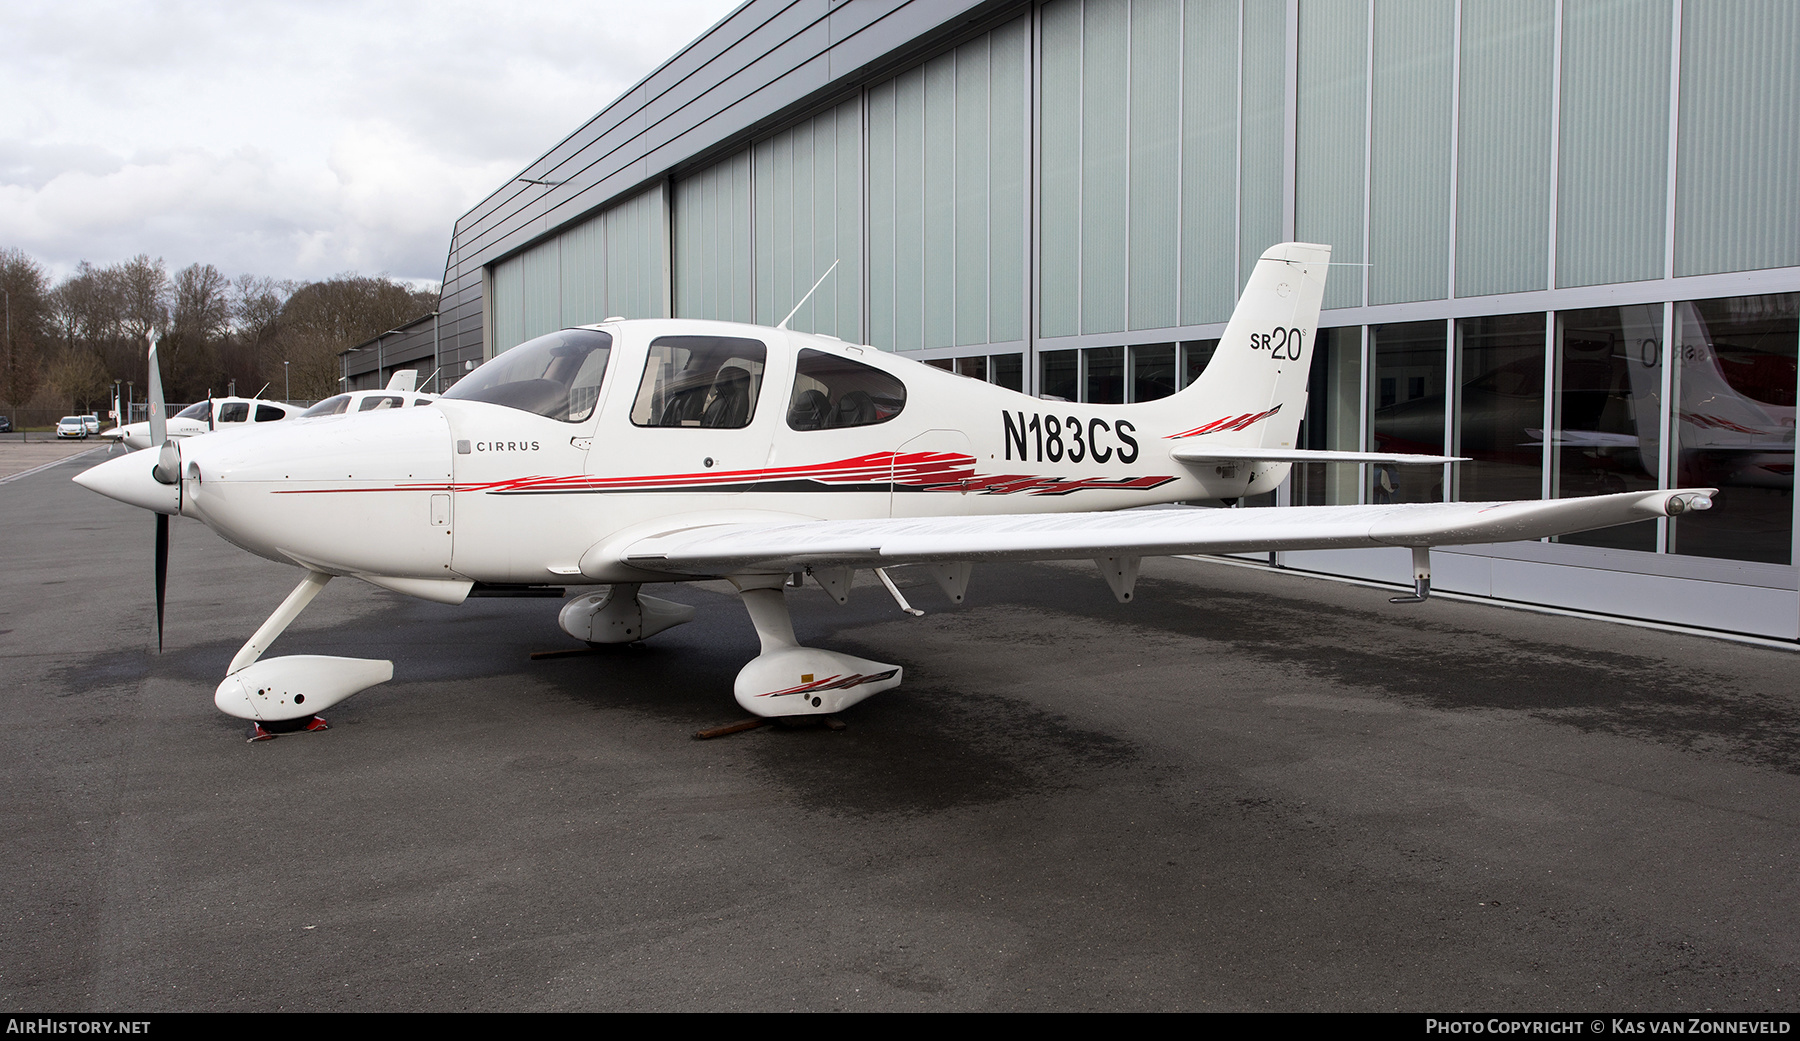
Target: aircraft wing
<point>760,548</point>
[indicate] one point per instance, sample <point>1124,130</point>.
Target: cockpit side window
<point>558,375</point>
<point>328,407</point>
<point>833,393</point>
<point>700,381</point>
<point>234,412</point>
<point>381,401</point>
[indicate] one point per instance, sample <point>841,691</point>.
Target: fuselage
<point>471,490</point>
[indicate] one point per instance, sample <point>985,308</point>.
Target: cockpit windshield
<point>328,407</point>
<point>201,410</point>
<point>557,375</point>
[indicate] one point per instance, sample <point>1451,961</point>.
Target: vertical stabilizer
<point>1253,392</point>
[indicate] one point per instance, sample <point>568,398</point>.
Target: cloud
<point>296,140</point>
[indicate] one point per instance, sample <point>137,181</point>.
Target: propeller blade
<point>162,573</point>
<point>159,416</point>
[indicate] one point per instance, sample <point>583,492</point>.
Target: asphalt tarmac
<point>1244,790</point>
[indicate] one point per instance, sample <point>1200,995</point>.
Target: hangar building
<point>1570,232</point>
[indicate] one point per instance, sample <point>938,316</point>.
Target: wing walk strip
<point>769,548</point>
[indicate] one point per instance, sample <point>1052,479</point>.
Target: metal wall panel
<point>712,243</point>
<point>1503,146</point>
<point>508,284</point>
<point>972,204</point>
<point>939,206</point>
<point>1737,189</point>
<point>542,282</point>
<point>1009,131</point>
<point>1155,164</point>
<point>1209,159</point>
<point>1409,165</point>
<point>1263,90</point>
<point>946,177</point>
<point>1059,170</point>
<point>808,189</point>
<point>1105,63</point>
<point>1331,130</point>
<point>610,264</point>
<point>1613,141</point>
<point>584,274</point>
<point>636,262</point>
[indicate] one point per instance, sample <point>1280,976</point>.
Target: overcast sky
<point>300,139</point>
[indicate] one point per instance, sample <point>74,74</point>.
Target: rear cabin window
<point>269,414</point>
<point>832,393</point>
<point>700,381</point>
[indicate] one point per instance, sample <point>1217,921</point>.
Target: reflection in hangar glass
<point>700,381</point>
<point>1607,428</point>
<point>328,407</point>
<point>831,393</point>
<point>557,375</point>
<point>1736,364</point>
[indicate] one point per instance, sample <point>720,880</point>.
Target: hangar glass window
<point>329,407</point>
<point>700,381</point>
<point>832,393</point>
<point>234,412</point>
<point>201,410</point>
<point>1735,376</point>
<point>557,375</point>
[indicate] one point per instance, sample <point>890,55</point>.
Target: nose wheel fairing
<point>297,685</point>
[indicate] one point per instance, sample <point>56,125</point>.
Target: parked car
<point>93,423</point>
<point>5,425</point>
<point>71,426</point>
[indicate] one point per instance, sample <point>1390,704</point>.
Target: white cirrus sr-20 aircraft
<point>204,417</point>
<point>635,452</point>
<point>212,415</point>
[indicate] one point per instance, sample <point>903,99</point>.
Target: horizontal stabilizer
<point>1223,454</point>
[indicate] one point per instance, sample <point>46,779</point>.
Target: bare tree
<point>145,285</point>
<point>256,303</point>
<point>321,319</point>
<point>200,318</point>
<point>26,312</point>
<point>80,378</point>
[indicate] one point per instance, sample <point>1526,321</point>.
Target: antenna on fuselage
<point>809,294</point>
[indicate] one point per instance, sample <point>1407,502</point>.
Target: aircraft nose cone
<point>128,478</point>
